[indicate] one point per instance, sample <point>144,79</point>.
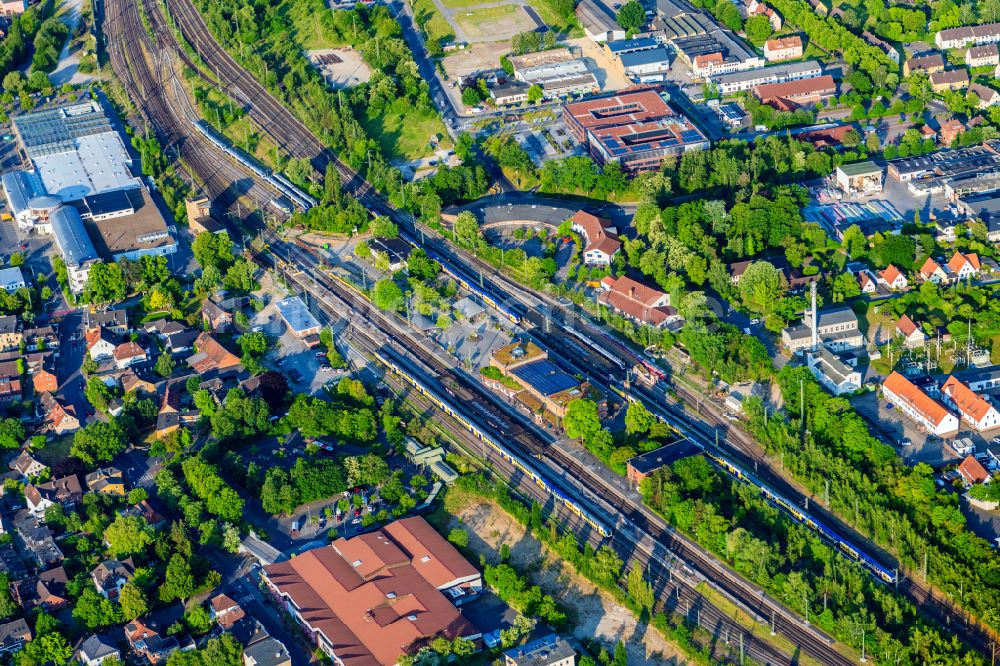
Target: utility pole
<point>925,566</point>
<point>773,632</point>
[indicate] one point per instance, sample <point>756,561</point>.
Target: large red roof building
<point>368,600</point>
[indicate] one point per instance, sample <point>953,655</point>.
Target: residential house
<point>147,643</point>
<point>931,271</point>
<point>758,8</point>
<point>128,354</point>
<point>212,357</point>
<point>106,481</point>
<point>783,48</point>
<point>964,266</point>
<point>892,278</point>
<point>100,344</point>
<point>65,492</point>
<point>40,338</point>
<point>867,282</point>
<point>217,319</point>
<point>950,130</point>
<point>913,336</point>
<point>145,511</point>
<point>37,539</point>
<point>950,79</point>
<point>987,96</point>
<point>58,418</point>
<point>27,466</point>
<point>268,652</point>
<point>130,381</point>
<point>44,378</point>
<point>917,405</point>
<point>600,237</point>
<point>114,320</point>
<point>171,415</point>
<point>984,55</point>
<point>973,408</point>
<point>95,649</point>
<point>637,301</point>
<point>181,341</point>
<point>347,596</point>
<point>928,63</point>
<point>13,636</point>
<point>10,333</point>
<point>47,591</point>
<point>551,650</point>
<point>111,576</point>
<point>225,611</point>
<point>161,328</point>
<point>390,253</point>
<point>737,269</point>
<point>973,472</point>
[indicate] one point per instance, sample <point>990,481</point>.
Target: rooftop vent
<point>356,563</point>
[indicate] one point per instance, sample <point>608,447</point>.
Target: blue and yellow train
<point>523,466</point>
<point>804,518</point>
<point>486,296</point>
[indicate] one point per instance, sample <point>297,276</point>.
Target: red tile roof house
<point>892,278</point>
<point>973,472</point>
<point>100,345</point>
<point>224,610</point>
<point>369,600</point>
<point>601,238</point>
<point>964,266</point>
<point>128,354</point>
<point>912,336</point>
<point>866,282</point>
<point>975,410</point>
<point>919,406</point>
<point>637,301</point>
<point>212,357</point>
<point>931,271</point>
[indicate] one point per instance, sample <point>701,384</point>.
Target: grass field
<point>307,28</point>
<point>499,21</point>
<point>434,24</point>
<point>405,135</point>
<point>569,27</point>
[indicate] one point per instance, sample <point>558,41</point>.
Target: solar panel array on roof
<point>545,377</point>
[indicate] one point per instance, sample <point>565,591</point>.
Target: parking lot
<point>305,368</point>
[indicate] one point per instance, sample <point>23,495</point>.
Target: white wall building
<point>919,406</point>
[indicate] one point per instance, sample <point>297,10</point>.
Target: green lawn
<point>434,24</point>
<point>406,134</point>
<point>483,21</point>
<point>564,26</point>
<point>56,450</point>
<point>307,28</point>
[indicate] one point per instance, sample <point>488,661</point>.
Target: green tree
<point>95,611</point>
<point>760,286</point>
<point>387,295</point>
<point>105,283</point>
<point>128,535</point>
<point>581,420</point>
<point>164,365</point>
<point>99,441</point>
<point>133,601</point>
<point>178,582</point>
<point>638,419</point>
<point>471,96</point>
<point>632,16</point>
<point>639,590</point>
<point>213,250</point>
<point>383,227</point>
<point>459,537</point>
<point>17,259</point>
<point>758,29</point>
<point>535,94</point>
<point>466,226</point>
<point>7,604</point>
<point>137,495</point>
<point>12,433</point>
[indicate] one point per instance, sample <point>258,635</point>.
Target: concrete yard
<point>351,70</point>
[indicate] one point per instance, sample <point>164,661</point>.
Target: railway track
<point>299,141</point>
<point>627,537</point>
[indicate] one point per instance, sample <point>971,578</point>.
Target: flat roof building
<point>792,71</point>
<point>12,279</point>
<point>19,188</point>
<point>559,79</point>
<point>551,650</point>
<point>297,317</point>
<point>859,178</point>
<point>126,224</point>
<point>636,129</point>
<point>645,65</point>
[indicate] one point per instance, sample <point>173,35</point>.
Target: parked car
<point>905,442</point>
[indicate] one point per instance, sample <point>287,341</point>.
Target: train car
<point>802,517</point>
<point>516,461</point>
<point>469,285</point>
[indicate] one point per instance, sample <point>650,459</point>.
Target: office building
<point>792,71</point>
